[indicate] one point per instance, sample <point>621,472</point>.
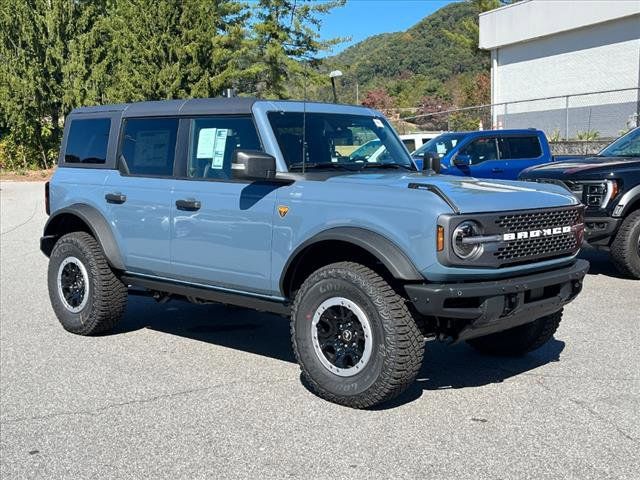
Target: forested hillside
<point>436,61</point>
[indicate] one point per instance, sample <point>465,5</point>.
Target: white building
<point>554,48</point>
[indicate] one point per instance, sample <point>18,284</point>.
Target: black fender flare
<point>387,252</point>
<point>94,220</point>
<point>627,200</point>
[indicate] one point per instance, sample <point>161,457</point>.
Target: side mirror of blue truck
<point>462,160</point>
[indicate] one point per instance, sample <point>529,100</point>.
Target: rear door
<point>138,196</point>
<point>222,227</point>
<point>519,152</point>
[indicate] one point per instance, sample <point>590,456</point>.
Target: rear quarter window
<point>520,147</point>
<point>87,141</point>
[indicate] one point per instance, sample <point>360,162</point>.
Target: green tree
<point>164,50</point>
<point>287,43</point>
<point>34,47</point>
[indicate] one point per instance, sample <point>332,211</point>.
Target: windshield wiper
<point>321,165</point>
<point>386,165</point>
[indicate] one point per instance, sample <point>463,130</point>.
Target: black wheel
<point>85,294</point>
<point>519,340</point>
<point>625,249</point>
<point>354,338</point>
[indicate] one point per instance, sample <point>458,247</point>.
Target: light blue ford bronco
<point>264,204</point>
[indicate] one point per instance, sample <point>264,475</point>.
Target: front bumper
<point>599,230</point>
<point>497,305</point>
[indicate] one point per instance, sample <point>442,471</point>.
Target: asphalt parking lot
<point>187,391</point>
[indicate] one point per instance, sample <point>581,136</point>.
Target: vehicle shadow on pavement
<point>448,367</point>
<point>600,263</point>
<point>444,366</point>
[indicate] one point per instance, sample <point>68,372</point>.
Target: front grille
<point>537,247</point>
<point>540,247</point>
<point>538,220</point>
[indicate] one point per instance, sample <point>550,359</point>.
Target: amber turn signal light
<point>440,239</point>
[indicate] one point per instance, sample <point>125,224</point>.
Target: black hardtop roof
<point>196,106</point>
<point>193,106</point>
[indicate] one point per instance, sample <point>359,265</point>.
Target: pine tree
<point>34,40</point>
<point>287,41</point>
<point>163,50</point>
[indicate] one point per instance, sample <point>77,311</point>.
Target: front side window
<point>148,146</point>
<point>337,141</point>
<point>626,146</point>
<point>87,141</point>
<point>214,141</point>
<point>481,150</point>
<point>441,145</point>
<point>520,147</point>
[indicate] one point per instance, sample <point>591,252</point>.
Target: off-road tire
<point>519,340</point>
<point>624,248</point>
<point>397,346</point>
<point>106,295</point>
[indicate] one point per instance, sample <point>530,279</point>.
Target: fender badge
<point>282,210</point>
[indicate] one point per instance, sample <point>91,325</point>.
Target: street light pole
<point>333,75</point>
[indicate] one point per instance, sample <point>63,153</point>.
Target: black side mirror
<point>462,160</point>
<point>431,161</point>
<point>253,165</point>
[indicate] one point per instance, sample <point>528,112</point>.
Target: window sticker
<point>441,148</point>
<point>211,145</point>
<point>378,123</point>
<point>206,139</point>
<point>219,145</point>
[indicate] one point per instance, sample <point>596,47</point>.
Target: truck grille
<point>540,247</point>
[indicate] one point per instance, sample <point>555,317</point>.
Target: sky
<point>360,19</point>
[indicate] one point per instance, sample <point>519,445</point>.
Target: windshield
<point>626,146</point>
<point>338,141</point>
<point>441,145</point>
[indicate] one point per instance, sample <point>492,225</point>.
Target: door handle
<point>188,205</point>
<point>497,170</point>
<point>116,198</point>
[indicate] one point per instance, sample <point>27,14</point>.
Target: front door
<point>485,161</point>
<point>222,227</point>
<point>138,196</point>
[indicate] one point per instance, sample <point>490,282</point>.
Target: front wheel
<point>625,249</point>
<point>355,340</point>
<point>519,340</point>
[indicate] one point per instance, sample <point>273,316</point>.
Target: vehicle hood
<point>581,168</point>
<point>470,195</point>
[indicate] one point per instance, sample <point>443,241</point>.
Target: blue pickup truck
<point>487,153</point>
<point>257,203</point>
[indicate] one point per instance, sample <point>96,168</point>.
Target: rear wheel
<point>85,294</point>
<point>355,340</point>
<point>625,249</point>
<point>519,340</point>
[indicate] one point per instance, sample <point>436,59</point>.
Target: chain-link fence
<point>586,116</point>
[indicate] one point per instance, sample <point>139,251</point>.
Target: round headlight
<point>464,250</point>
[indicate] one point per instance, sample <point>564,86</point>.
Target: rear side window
<point>87,141</point>
<point>148,146</point>
<point>520,147</point>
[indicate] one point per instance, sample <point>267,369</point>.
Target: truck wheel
<point>625,249</point>
<point>85,294</point>
<point>354,338</point>
<point>519,340</point>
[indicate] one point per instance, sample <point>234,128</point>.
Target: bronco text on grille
<point>539,234</point>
